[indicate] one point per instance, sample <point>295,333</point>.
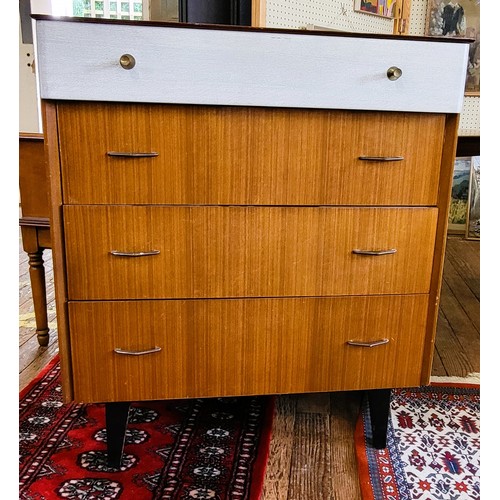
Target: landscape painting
<point>459,195</point>
<point>458,19</point>
<point>473,212</point>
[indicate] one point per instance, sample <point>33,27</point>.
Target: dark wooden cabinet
<point>234,12</point>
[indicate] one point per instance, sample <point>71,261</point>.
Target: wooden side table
<point>35,222</point>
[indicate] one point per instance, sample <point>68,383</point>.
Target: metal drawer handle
<point>374,252</point>
<point>393,73</point>
<point>136,353</point>
<point>381,158</point>
<point>117,253</point>
<point>373,343</point>
<point>124,154</point>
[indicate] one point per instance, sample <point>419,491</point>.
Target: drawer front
<point>247,156</point>
<point>202,252</point>
<point>244,346</point>
<point>176,64</point>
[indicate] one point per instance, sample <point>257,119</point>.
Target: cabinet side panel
<point>444,199</point>
<point>49,113</point>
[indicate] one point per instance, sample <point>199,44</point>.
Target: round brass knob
<point>127,61</point>
<point>393,73</point>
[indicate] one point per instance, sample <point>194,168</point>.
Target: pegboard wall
<point>340,15</point>
<point>333,14</point>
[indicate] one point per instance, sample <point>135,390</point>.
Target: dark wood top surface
<point>225,27</point>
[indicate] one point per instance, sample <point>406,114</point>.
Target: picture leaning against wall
<point>458,19</point>
<point>459,195</point>
<point>473,212</point>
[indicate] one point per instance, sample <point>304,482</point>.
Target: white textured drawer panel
<point>80,61</point>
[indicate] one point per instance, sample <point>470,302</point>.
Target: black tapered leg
<point>379,403</point>
<point>116,426</point>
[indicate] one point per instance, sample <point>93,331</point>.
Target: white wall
<point>28,101</point>
<point>29,112</point>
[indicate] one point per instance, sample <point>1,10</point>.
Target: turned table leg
<point>37,278</point>
<point>379,404</point>
<point>116,426</point>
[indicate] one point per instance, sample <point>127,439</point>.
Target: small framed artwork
<point>472,229</point>
<point>457,218</point>
<point>458,19</point>
<point>383,8</point>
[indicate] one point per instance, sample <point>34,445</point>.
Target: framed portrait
<point>458,19</point>
<point>472,229</point>
<point>457,217</point>
<point>383,8</point>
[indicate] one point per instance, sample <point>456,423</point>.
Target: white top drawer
<point>173,64</point>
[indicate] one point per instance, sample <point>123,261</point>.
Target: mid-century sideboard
<point>245,211</point>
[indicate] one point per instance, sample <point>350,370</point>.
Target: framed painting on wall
<point>472,228</point>
<point>458,19</point>
<point>383,8</point>
<point>457,218</point>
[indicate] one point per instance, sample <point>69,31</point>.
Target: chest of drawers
<point>228,223</point>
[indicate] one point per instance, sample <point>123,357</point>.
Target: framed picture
<point>458,19</point>
<point>457,218</point>
<point>472,230</point>
<point>383,8</point>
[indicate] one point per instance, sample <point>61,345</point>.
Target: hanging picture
<point>458,19</point>
<point>384,8</point>
<point>472,225</point>
<point>459,195</point>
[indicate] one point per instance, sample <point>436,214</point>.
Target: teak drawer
<point>244,346</point>
<point>247,156</point>
<point>207,252</point>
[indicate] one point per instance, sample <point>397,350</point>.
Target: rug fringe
<point>470,378</point>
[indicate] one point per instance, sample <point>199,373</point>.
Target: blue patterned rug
<point>432,446</point>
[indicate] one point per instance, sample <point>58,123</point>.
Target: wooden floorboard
<point>312,454</point>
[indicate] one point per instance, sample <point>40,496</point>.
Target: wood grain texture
<point>444,200</point>
<point>244,346</point>
<point>314,403</point>
<point>247,156</point>
<point>258,13</point>
<point>33,176</point>
<point>463,326</point>
<point>51,144</point>
<point>462,294</point>
<point>311,459</point>
<point>277,478</point>
<point>247,68</point>
<point>246,251</point>
<point>451,352</point>
<point>344,412</point>
<point>465,256</point>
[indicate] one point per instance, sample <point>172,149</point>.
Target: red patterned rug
<point>432,446</point>
<point>184,449</point>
